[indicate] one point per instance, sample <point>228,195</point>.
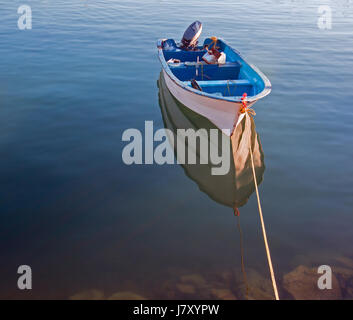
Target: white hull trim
<point>223,114</point>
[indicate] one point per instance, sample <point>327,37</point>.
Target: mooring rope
<point>264,229</point>
<point>248,112</point>
<point>242,258</point>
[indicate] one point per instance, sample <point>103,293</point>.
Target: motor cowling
<point>191,36</point>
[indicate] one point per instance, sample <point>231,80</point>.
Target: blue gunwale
<point>267,84</point>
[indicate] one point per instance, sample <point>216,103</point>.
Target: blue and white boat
<point>211,79</point>
<point>232,189</point>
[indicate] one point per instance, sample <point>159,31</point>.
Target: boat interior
<point>232,78</point>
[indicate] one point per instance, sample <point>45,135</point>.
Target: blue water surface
<point>82,219</point>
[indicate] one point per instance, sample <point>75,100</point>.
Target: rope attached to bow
<point>244,107</point>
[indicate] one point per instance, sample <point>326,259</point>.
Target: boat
<point>234,188</point>
<point>213,80</point>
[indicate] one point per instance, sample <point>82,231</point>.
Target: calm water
<point>83,220</point>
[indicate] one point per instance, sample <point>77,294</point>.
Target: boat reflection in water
<point>234,188</point>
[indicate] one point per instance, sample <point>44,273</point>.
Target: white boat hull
<point>224,114</point>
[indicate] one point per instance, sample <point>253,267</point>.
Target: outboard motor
<point>191,36</point>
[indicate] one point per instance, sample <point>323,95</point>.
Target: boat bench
<point>184,72</point>
<point>236,87</point>
<point>183,55</point>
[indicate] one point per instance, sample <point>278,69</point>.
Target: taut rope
<point>248,112</point>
